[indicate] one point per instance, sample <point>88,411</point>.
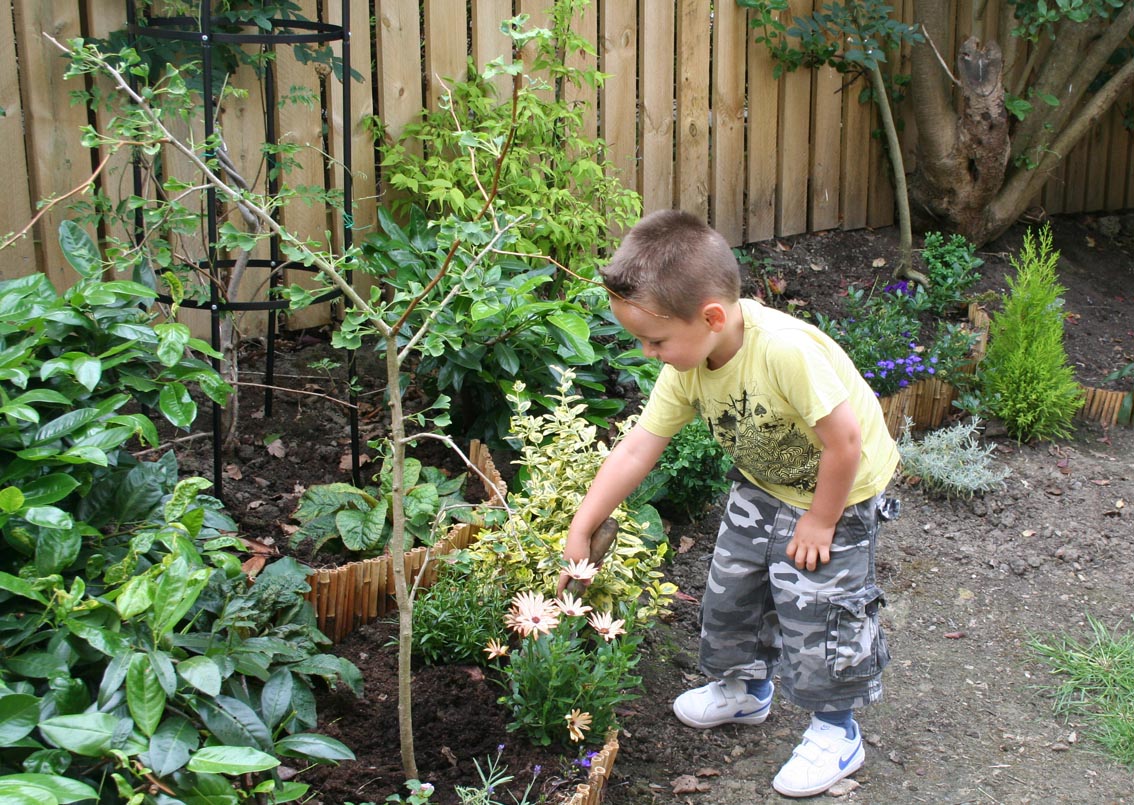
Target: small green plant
<point>1025,378</point>
<point>1126,410</point>
<point>456,617</point>
<point>690,475</point>
<point>951,268</point>
<point>951,461</point>
<point>559,456</point>
<point>342,518</point>
<point>572,668</point>
<point>494,777</point>
<point>1098,683</point>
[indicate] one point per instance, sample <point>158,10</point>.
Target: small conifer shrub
<point>1025,377</point>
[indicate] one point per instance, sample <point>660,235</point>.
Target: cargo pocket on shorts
<point>856,645</point>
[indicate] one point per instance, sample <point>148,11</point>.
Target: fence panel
<point>691,115</point>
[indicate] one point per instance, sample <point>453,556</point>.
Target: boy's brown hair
<point>672,263</point>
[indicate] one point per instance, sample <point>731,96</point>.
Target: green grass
<point>1098,684</point>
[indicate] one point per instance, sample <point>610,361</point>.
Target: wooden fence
<point>691,115</point>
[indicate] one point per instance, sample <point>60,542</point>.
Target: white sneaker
<point>825,756</point>
<point>725,702</point>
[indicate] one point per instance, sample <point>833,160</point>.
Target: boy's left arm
<point>841,436</point>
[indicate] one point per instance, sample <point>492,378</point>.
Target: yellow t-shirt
<point>762,405</point>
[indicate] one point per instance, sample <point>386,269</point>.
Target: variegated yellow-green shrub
<point>559,455</point>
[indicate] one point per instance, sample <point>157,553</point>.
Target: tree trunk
<point>978,171</point>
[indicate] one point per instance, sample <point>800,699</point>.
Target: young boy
<point>791,588</point>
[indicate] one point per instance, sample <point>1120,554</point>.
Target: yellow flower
<point>578,722</point>
<point>496,649</point>
<point>531,612</point>
<point>572,606</point>
<point>583,570</point>
<point>605,624</point>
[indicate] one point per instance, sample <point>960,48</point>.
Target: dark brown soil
<point>966,717</point>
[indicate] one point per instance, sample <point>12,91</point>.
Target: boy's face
<point>684,345</point>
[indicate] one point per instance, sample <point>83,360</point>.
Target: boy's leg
<point>834,650</point>
<point>739,631</point>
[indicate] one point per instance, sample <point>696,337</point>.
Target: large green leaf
<point>37,665</point>
<point>234,723</point>
<point>202,673</point>
<point>177,406</point>
<point>79,249</point>
<point>231,760</point>
<point>19,713</point>
<point>135,597</point>
<point>173,338</point>
<point>65,424</point>
<point>55,550</point>
<point>144,695</point>
<point>55,787</point>
<point>21,587</point>
<point>16,793</point>
<point>48,489</point>
<point>275,698</point>
<point>88,734</point>
<point>313,746</point>
<point>88,371</point>
<point>171,745</point>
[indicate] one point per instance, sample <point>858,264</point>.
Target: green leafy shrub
<point>499,323</point>
<point>1025,378</point>
<point>690,475</point>
<point>951,266</point>
<point>132,646</point>
<point>951,461</point>
<point>342,518</point>
<point>559,456</point>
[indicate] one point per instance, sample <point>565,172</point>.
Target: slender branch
<point>53,202</point>
<point>937,53</point>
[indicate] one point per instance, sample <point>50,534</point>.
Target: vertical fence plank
<point>1128,139</point>
<point>300,124</point>
<point>446,54</point>
<point>399,64</point>
<point>537,11</point>
<point>763,157</point>
<point>1075,176</point>
<point>655,66</point>
<point>727,192</point>
<point>826,145</point>
<point>19,258</point>
<point>794,144</point>
<point>1097,142</point>
<point>1054,189</point>
<point>618,56</point>
<point>488,41</point>
<point>59,163</point>
<point>693,21</point>
<point>854,183</point>
<point>584,97</point>
<point>1118,157</point>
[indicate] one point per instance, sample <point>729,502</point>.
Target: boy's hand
<point>810,545</point>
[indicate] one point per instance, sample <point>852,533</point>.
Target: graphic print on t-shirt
<point>763,444</point>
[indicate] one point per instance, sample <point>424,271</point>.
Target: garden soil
<point>967,715</point>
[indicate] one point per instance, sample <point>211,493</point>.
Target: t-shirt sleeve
<point>805,375</point>
<point>668,408</point>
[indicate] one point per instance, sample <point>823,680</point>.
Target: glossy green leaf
<point>19,713</point>
<point>80,249</point>
<point>171,745</point>
<point>61,789</point>
<point>231,760</point>
<point>313,746</point>
<point>177,406</point>
<point>88,734</point>
<point>202,673</point>
<point>144,696</point>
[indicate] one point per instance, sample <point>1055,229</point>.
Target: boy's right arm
<point>628,463</point>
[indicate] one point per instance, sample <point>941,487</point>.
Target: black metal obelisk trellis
<point>205,32</point>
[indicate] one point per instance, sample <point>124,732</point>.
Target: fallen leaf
<point>1090,242</point>
<point>288,528</point>
<point>253,565</point>
<point>1028,533</point>
<point>686,597</point>
<point>276,448</point>
<point>954,635</point>
<point>255,504</point>
<point>233,472</point>
<point>450,756</point>
<point>817,267</point>
<point>782,247</point>
<point>879,262</point>
<point>1100,481</point>
<point>1120,504</point>
<point>842,787</point>
<point>708,772</point>
<point>685,544</point>
<point>688,784</point>
<point>257,414</point>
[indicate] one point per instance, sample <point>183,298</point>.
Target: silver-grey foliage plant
<point>951,461</point>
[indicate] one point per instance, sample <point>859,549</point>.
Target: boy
<point>791,588</point>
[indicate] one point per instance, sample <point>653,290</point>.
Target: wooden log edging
<point>590,792</point>
<point>357,593</point>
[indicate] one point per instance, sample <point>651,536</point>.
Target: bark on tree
<point>978,170</point>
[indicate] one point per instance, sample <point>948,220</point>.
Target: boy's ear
<point>714,315</point>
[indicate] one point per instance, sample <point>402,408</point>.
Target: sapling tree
<point>397,320</point>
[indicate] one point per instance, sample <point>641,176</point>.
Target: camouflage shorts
<point>819,629</point>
